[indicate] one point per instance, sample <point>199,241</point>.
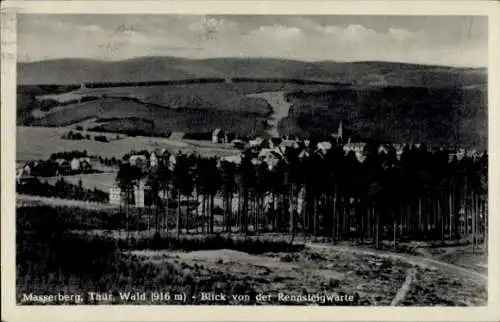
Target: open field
<point>39,201</point>
<point>35,143</point>
<point>100,181</point>
<point>162,119</point>
<point>60,261</point>
<point>218,96</point>
<point>159,109</point>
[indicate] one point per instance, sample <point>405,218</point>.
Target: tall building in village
<point>339,135</point>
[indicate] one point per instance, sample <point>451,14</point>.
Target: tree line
<point>61,189</point>
<point>422,195</point>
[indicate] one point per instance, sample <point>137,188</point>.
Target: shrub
<point>101,138</point>
<point>252,246</point>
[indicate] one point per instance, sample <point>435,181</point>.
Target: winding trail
<point>405,288</point>
<point>414,260</point>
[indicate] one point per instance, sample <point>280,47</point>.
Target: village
<point>269,152</point>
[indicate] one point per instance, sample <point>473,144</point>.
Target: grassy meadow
<point>38,143</point>
<point>58,252</point>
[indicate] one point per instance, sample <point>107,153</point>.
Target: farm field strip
<point>36,143</point>
<point>26,200</point>
<point>100,181</point>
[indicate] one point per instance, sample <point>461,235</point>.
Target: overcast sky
<point>445,40</point>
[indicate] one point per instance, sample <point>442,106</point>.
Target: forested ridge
<point>445,116</point>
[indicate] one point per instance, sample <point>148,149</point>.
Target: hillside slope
<point>382,100</point>
<point>440,116</point>
<point>76,71</point>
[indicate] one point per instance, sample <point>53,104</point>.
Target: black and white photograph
<point>251,160</point>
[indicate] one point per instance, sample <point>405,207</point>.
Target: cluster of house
<point>23,173</point>
<point>151,159</point>
<point>272,150</point>
<point>268,150</point>
<point>144,161</point>
<point>30,169</point>
<point>73,165</point>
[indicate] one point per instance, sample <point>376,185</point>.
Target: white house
<point>236,159</point>
<point>153,160</point>
<point>115,195</point>
<point>75,164</point>
<point>399,149</point>
<point>354,146</point>
<point>139,161</point>
<point>23,174</point>
<point>357,148</point>
<point>382,149</point>
<point>139,194</point>
<point>219,136</point>
<point>63,165</point>
<point>323,147</point>
<point>172,160</point>
<point>26,168</point>
<point>80,164</point>
<point>255,161</point>
<point>288,143</point>
<point>256,142</point>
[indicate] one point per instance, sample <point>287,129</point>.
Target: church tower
<point>340,133</point>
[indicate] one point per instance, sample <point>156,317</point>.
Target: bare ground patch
<point>371,280</point>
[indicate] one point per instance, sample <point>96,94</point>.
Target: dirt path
<point>280,109</point>
<point>415,260</point>
<point>410,277</point>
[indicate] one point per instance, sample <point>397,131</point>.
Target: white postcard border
<point>11,312</point>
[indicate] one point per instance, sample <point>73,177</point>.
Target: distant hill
<point>147,69</point>
<point>382,100</point>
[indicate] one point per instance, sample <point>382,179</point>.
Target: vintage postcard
<point>249,160</point>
